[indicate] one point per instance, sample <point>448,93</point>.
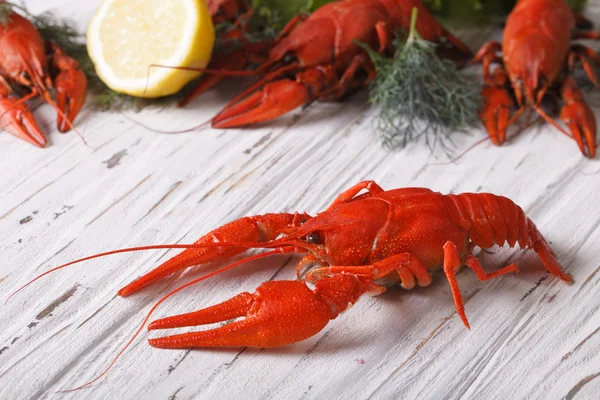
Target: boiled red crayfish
<point>28,63</point>
<point>538,58</point>
<point>361,244</point>
<point>319,57</point>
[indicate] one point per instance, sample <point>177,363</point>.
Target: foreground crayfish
<point>361,244</point>
<point>538,58</point>
<point>320,57</point>
<point>29,64</point>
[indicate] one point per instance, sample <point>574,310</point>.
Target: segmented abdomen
<point>491,219</point>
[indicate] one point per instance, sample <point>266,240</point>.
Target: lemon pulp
<point>129,39</point>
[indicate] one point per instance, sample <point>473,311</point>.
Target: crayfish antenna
<point>100,255</point>
<point>187,130</point>
<point>549,120</point>
<point>164,298</point>
<point>223,72</point>
<point>461,155</point>
<point>220,72</point>
<point>129,250</point>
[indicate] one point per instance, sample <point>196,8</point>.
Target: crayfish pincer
<point>367,240</point>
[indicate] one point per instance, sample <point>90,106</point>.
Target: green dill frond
<point>422,97</point>
<point>268,18</point>
<point>276,13</point>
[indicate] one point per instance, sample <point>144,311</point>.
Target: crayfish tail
<point>490,219</point>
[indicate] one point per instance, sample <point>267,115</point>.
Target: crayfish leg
<point>409,269</point>
<point>452,264</point>
<point>348,195</point>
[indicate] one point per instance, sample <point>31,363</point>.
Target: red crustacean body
<point>536,42</point>
<point>361,244</point>
<point>24,64</point>
<point>537,57</point>
<point>319,57</point>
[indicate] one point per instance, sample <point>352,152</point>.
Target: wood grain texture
<point>532,336</point>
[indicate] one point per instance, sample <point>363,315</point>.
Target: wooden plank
<point>532,335</point>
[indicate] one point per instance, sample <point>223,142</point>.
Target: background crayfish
<point>319,57</point>
<point>538,58</point>
<point>31,65</point>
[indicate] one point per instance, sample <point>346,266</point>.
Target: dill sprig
<point>274,14</point>
<point>421,96</point>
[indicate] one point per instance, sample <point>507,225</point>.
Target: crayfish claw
<point>579,117</point>
<point>277,314</point>
<point>495,114</point>
<point>16,119</point>
<point>71,87</point>
<point>276,98</point>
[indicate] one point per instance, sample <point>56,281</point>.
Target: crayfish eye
<point>314,238</point>
<point>288,59</point>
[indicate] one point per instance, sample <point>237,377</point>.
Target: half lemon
<point>129,41</point>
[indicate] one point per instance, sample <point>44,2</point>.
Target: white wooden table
<point>532,336</point>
